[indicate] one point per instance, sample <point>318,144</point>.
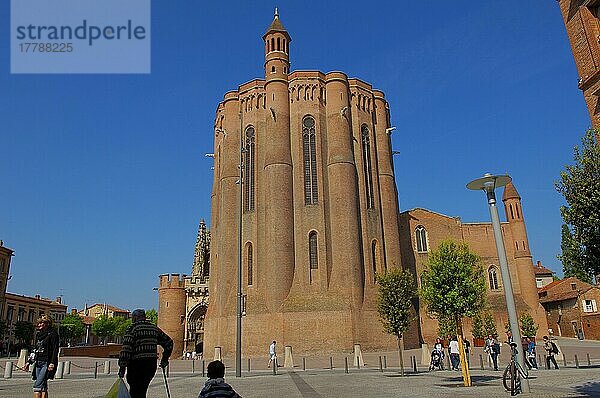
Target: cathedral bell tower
<point>278,179</point>
<point>520,243</point>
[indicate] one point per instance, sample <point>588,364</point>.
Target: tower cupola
<point>277,49</point>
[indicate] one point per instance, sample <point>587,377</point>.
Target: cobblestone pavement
<point>566,382</point>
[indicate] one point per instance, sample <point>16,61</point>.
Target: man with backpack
<point>551,350</point>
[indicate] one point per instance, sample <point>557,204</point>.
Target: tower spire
<point>276,13</point>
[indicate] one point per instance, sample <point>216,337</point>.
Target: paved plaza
<point>567,382</point>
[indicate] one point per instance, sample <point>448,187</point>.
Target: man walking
<point>551,350</point>
<point>139,355</point>
<point>493,349</point>
<point>454,353</point>
<point>272,354</point>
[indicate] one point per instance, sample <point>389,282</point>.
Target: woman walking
<point>46,356</point>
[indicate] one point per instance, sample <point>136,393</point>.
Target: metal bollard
<point>8,369</point>
<point>380,364</point>
<point>193,365</point>
<point>576,361</point>
<point>385,362</point>
<point>203,368</point>
<point>60,370</point>
<point>481,361</point>
<point>448,362</point>
<point>303,363</point>
<point>95,370</point>
<point>330,363</point>
<point>68,367</point>
<point>588,359</point>
<point>346,365</point>
<point>564,359</point>
<point>539,359</point>
<point>248,365</point>
<point>106,367</point>
<point>275,366</point>
<point>357,364</point>
<point>546,362</point>
<point>415,369</point>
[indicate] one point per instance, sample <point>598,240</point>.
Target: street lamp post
<point>238,326</point>
<point>488,183</point>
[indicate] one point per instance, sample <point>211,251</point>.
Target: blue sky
<point>105,179</point>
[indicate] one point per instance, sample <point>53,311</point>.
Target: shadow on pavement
<point>589,389</point>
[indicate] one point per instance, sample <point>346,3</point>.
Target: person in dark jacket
<point>138,354</point>
<point>45,356</point>
<point>215,386</point>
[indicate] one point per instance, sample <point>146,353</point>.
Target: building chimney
<point>539,264</point>
<point>73,311</point>
<point>59,300</point>
<point>37,296</point>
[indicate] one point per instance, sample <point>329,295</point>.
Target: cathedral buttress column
<point>387,183</point>
<point>347,273</point>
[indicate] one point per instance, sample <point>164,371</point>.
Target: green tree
<point>24,332</point>
<point>120,325</point>
<point>395,304</point>
<point>103,327</point>
<point>580,185</point>
<point>152,316</point>
<point>572,256</point>
<point>453,286</point>
<point>528,326</point>
<point>72,329</point>
<point>478,330</point>
<point>446,327</point>
<point>489,325</point>
<point>3,328</point>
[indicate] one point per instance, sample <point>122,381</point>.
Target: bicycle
<point>511,378</point>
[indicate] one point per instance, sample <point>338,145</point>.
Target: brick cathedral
<point>319,218</point>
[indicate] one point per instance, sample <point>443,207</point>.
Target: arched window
<point>493,278</point>
<point>312,248</point>
<point>309,150</point>
<point>517,210</point>
<point>249,263</point>
<point>278,44</point>
<point>249,170</point>
<point>272,44</point>
<point>512,215</point>
<point>367,167</point>
<point>421,237</point>
<point>313,255</point>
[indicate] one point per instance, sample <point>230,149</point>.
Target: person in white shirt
<point>272,354</point>
<point>454,353</point>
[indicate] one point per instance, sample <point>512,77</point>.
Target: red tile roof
<point>539,269</point>
<point>562,290</point>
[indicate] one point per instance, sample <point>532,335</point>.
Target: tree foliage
<point>453,285</point>
<point>528,326</point>
<point>72,328</point>
<point>446,326</point>
<point>3,328</point>
<point>580,185</point>
<point>152,316</point>
<point>572,256</point>
<point>24,332</point>
<point>103,327</point>
<point>395,300</point>
<point>120,325</point>
<point>477,330</point>
<point>395,304</point>
<point>489,325</point>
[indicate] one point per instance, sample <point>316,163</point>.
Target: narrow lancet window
<point>367,166</point>
<point>249,175</point>
<point>311,196</point>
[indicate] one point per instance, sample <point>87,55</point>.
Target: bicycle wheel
<point>507,377</point>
